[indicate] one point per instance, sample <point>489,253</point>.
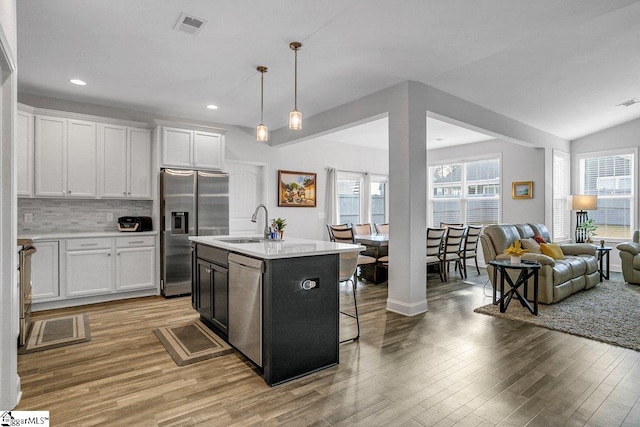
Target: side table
<point>603,252</point>
<point>527,270</point>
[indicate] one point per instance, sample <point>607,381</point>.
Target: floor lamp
<point>581,204</point>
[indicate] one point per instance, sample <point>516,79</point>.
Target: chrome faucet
<point>254,218</point>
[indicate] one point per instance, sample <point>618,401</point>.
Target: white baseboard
<point>407,309</point>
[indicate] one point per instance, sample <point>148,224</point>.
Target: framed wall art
<point>296,189</point>
<point>522,190</point>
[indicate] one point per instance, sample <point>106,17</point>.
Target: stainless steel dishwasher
<point>245,306</point>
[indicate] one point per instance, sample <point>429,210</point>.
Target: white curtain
<point>332,197</point>
<point>366,198</point>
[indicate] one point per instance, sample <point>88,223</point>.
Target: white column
<point>408,202</point>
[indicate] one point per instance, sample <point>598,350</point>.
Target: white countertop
<point>275,249</point>
<point>79,235</point>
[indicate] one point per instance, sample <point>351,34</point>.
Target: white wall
<point>9,380</point>
<point>316,156</point>
<point>625,135</point>
<point>519,163</point>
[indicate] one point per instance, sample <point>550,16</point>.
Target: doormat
<point>191,343</point>
<point>56,332</point>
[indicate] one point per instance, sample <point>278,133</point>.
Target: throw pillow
<point>538,238</point>
<point>552,250</point>
<point>531,246</point>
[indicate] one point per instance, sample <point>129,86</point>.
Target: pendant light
<point>295,116</point>
<point>262,133</point>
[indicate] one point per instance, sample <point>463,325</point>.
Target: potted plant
<point>515,251</point>
<point>588,228</point>
<point>280,225</point>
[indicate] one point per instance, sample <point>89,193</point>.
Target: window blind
<point>610,177</point>
<point>561,183</point>
<point>465,192</point>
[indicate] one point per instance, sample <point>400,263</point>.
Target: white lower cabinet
<point>88,272</point>
<point>103,267</point>
<point>45,281</point>
<point>134,264</point>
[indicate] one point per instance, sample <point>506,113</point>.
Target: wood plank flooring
<point>448,367</point>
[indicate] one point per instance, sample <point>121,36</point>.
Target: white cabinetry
<point>93,269</point>
<point>24,153</point>
<point>88,267</point>
<point>45,281</point>
<point>135,260</point>
<point>192,149</point>
<point>65,157</point>
<point>125,162</point>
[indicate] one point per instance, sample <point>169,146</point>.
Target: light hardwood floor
<point>450,366</point>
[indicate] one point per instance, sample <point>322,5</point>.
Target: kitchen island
<point>277,302</point>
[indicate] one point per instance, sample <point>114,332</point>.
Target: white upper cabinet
<point>82,149</point>
<point>125,162</point>
<point>50,159</point>
<point>24,153</point>
<point>192,149</point>
<point>65,157</point>
<point>208,150</point>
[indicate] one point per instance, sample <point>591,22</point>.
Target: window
<point>561,182</point>
<point>465,192</point>
<point>610,176</point>
<point>357,206</point>
<point>378,200</point>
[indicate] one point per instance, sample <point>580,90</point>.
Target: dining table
<point>377,246</point>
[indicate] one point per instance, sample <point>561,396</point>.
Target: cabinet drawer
<point>133,241</point>
<point>90,243</point>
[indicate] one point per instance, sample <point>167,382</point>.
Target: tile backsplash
<point>69,216</point>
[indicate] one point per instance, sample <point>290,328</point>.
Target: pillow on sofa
<point>538,238</point>
<point>530,245</point>
<point>552,250</point>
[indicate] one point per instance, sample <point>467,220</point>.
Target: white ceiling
<point>559,66</point>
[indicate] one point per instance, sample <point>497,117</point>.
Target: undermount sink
<point>243,240</point>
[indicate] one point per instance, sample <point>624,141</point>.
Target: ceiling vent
<point>628,103</point>
<point>189,24</point>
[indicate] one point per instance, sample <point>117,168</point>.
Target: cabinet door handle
<point>129,193</point>
<point>136,242</point>
<point>108,254</point>
<point>208,270</point>
<point>88,244</point>
<point>124,193</point>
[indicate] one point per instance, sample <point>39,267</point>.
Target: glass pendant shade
<point>295,120</point>
<point>295,116</point>
<point>262,133</point>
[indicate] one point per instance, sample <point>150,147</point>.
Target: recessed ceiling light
<point>212,107</point>
<point>78,82</point>
<point>628,103</point>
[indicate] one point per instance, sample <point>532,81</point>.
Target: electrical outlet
<point>28,217</point>
<point>109,216</point>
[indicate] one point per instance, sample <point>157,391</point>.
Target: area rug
<point>191,343</point>
<point>56,332</point>
<point>608,313</point>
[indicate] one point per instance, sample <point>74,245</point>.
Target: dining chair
<point>330,227</point>
<point>365,229</point>
<point>361,228</point>
<point>451,250</point>
<point>450,224</point>
<point>382,228</point>
<point>348,267</point>
<point>434,248</point>
<point>345,235</point>
<point>470,247</point>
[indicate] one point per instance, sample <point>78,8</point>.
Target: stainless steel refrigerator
<point>193,203</point>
